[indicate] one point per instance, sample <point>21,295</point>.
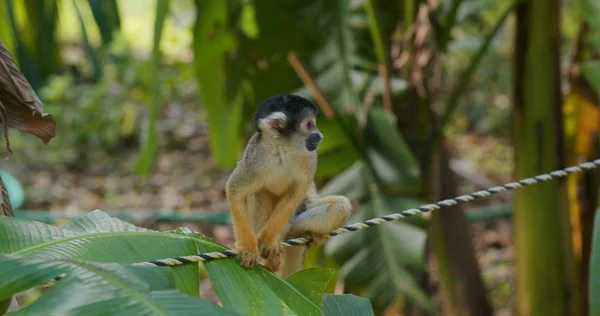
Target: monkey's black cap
<point>294,107</point>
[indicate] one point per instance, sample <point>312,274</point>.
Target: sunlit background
<point>419,101</point>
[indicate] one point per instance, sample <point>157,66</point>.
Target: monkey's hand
<point>269,250</point>
<point>248,257</point>
<point>314,238</point>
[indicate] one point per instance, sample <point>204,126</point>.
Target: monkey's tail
<point>293,260</point>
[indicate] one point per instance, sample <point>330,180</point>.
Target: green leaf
<point>102,238</point>
<point>379,259</point>
<point>4,305</point>
<point>311,282</point>
<point>382,134</point>
<point>332,162</point>
<point>333,61</point>
<point>466,76</point>
<point>590,11</point>
<point>212,40</point>
<point>591,72</point>
<point>595,270</point>
<point>26,60</point>
<point>390,242</point>
<point>378,45</point>
<point>106,15</point>
<point>248,21</point>
<point>254,291</point>
<point>87,45</point>
<point>346,46</point>
<point>37,47</point>
<point>333,135</point>
<point>335,152</point>
<point>91,288</point>
<point>6,34</point>
<point>144,163</point>
<point>346,305</point>
<point>350,183</point>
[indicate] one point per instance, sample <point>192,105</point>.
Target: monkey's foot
<point>248,257</point>
<point>268,251</point>
<point>314,238</point>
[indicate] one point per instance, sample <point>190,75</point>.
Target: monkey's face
<point>312,136</point>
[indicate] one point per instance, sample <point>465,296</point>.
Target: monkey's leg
<point>269,238</point>
<point>322,215</point>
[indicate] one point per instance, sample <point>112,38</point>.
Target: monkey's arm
<point>271,233</point>
<point>240,195</point>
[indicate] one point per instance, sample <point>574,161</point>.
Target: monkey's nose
<point>315,138</point>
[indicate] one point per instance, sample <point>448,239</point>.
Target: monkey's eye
<point>310,126</point>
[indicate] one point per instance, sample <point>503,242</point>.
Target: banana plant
<point>92,257</point>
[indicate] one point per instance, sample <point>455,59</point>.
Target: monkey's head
<point>289,119</point>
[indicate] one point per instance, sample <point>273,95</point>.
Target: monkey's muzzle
<point>313,141</point>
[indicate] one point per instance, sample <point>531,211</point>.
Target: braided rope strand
<point>586,166</point>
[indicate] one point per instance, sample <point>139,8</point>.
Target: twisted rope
<point>388,218</point>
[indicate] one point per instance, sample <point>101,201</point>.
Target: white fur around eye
<point>273,123</point>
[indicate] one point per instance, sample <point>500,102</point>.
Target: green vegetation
<point>419,103</point>
<point>94,253</point>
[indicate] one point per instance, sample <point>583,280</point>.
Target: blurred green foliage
<point>109,71</point>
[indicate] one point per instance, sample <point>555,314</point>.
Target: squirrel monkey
<point>271,191</point>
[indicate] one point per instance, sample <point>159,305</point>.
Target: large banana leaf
<point>262,59</point>
<point>255,291</point>
<point>381,258</point>
<point>90,288</point>
<point>99,237</point>
<point>346,305</point>
<point>102,238</point>
<point>383,135</point>
<point>349,183</point>
<point>335,152</point>
<point>312,283</point>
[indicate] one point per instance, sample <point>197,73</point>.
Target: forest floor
<point>185,179</point>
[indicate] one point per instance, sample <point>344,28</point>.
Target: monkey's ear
<point>274,124</point>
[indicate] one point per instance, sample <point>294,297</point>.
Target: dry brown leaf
<point>20,106</point>
<point>5,206</point>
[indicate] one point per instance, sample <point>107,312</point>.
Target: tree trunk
<point>462,288</point>
<point>547,283</point>
<point>582,104</point>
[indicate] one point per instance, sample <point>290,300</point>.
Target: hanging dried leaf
<point>20,106</point>
<point>5,206</point>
